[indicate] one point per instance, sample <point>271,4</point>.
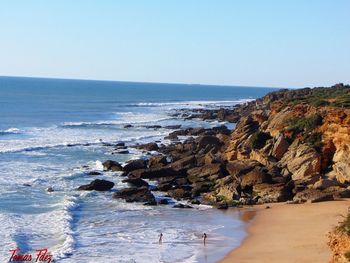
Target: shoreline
<point>289,233</point>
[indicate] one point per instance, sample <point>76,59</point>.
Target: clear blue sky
<point>293,43</point>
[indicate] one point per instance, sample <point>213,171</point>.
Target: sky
<point>271,43</point>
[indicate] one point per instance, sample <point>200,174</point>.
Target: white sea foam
<point>13,130</point>
<point>188,104</point>
<point>48,138</point>
<point>99,165</point>
<point>70,204</point>
<point>10,131</point>
<point>121,118</point>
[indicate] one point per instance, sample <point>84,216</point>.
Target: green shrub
<point>306,124</point>
<point>314,139</point>
<point>336,96</point>
<point>319,102</point>
<point>258,139</point>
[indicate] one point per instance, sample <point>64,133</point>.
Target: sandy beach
<point>289,233</point>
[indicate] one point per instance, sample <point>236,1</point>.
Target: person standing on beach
<point>204,238</point>
<point>160,238</point>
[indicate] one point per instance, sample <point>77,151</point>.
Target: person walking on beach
<point>204,238</point>
<point>160,238</point>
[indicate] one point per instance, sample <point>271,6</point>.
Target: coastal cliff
<point>297,143</point>
<point>290,145</point>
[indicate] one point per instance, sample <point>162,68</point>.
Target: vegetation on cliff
<point>336,96</point>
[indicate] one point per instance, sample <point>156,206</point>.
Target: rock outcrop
<point>98,185</point>
<point>287,146</point>
<point>142,194</point>
<point>112,166</point>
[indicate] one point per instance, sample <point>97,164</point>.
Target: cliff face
<point>300,139</point>
<point>287,146</point>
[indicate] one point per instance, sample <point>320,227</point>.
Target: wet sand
<point>288,233</point>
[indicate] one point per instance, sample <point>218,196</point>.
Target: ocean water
<point>52,132</point>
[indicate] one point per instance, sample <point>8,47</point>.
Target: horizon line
<point>144,82</point>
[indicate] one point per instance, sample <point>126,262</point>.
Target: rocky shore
<point>290,145</point>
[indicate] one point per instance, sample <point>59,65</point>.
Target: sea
<point>53,132</point>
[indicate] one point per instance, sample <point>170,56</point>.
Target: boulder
<point>313,196</point>
<point>179,193</point>
<point>182,206</point>
<point>222,205</point>
<point>208,143</point>
<point>207,159</point>
<point>166,183</point>
<point>228,115</point>
<point>186,162</point>
<point>156,173</point>
<point>94,173</point>
<point>228,188</point>
<point>152,146</point>
<point>301,160</point>
<point>196,131</point>
<point>172,137</point>
<point>142,194</point>
<point>136,182</point>
<point>202,187</point>
<point>178,133</point>
<point>110,165</point>
<point>324,183</point>
<point>157,161</point>
<point>341,166</point>
<point>239,167</point>
<point>280,147</point>
<point>98,185</point>
<point>257,176</point>
<point>338,192</point>
<point>135,165</point>
<point>263,158</point>
<point>270,193</point>
<point>206,172</point>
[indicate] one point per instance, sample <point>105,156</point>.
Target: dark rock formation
<point>142,194</point>
<point>94,173</point>
<point>112,166</point>
<point>152,146</point>
<point>157,161</point>
<point>136,182</point>
<point>134,165</point>
<point>98,185</point>
<point>182,206</point>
